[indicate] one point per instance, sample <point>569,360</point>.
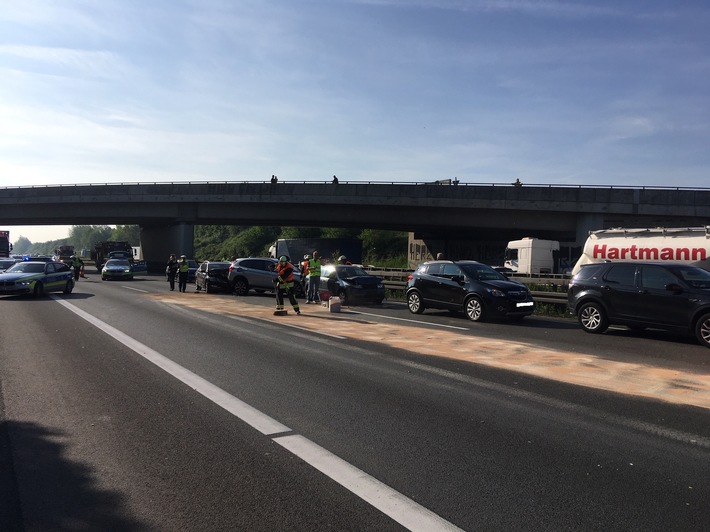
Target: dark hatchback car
<point>212,275</point>
<point>352,284</point>
<point>469,286</point>
<point>642,295</point>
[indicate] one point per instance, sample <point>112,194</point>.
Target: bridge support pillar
<point>158,242</point>
<point>587,223</point>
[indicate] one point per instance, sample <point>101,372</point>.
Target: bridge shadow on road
<point>40,489</point>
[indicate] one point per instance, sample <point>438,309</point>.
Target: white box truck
<point>531,255</point>
<point>688,245</point>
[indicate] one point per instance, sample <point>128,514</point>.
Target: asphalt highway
<point>124,406</point>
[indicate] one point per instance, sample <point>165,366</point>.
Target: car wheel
<point>241,287</point>
<point>69,286</point>
<point>702,330</point>
<point>343,297</point>
<point>592,318</point>
<point>415,303</point>
<point>207,287</point>
<point>474,309</point>
<point>38,290</point>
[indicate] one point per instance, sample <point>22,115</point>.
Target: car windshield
<point>695,277</point>
<point>481,272</point>
<point>350,271</point>
<point>118,263</point>
<point>26,267</point>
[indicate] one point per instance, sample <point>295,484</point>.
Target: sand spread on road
<point>672,385</point>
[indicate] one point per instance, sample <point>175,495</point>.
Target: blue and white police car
<point>36,277</point>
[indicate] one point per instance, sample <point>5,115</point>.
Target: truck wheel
<point>415,303</point>
<point>69,287</point>
<point>702,330</point>
<point>474,309</point>
<point>241,287</point>
<point>592,318</point>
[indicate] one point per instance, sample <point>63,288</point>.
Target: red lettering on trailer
<point>603,252</point>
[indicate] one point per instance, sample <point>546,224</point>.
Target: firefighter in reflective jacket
<point>284,285</point>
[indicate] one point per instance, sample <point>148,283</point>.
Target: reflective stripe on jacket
<point>285,273</point>
<point>314,268</point>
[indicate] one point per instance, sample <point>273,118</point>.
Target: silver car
<point>258,274</point>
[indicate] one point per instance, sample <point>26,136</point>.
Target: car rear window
<point>588,271</point>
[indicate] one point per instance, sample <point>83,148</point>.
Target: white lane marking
<point>389,501</point>
<point>240,409</point>
<point>412,321</point>
<point>136,289</point>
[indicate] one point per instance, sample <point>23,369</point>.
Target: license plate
<point>526,304</point>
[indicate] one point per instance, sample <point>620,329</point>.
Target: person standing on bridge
<point>171,270</point>
<point>183,269</point>
<point>313,294</point>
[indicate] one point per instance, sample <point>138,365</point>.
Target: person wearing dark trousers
<point>171,271</point>
<point>284,285</point>
<point>183,269</point>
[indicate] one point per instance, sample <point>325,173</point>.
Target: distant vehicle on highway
<point>469,286</point>
<point>213,275</point>
<point>37,277</point>
<point>117,269</point>
<point>352,284</point>
<point>642,295</point>
<point>6,263</point>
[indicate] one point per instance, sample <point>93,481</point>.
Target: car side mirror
<point>460,279</point>
<point>674,287</point>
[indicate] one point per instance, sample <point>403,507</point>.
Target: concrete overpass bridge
<point>442,211</point>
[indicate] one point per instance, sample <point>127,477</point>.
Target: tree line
<point>216,242</point>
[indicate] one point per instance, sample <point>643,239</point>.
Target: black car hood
<point>505,286</point>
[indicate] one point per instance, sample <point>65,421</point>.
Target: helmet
<point>183,256</point>
<point>283,258</point>
<point>342,257</point>
<point>306,257</point>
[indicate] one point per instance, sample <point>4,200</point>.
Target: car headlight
<point>496,293</point>
<point>380,285</point>
<point>25,283</point>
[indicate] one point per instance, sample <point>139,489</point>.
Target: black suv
<point>642,295</point>
<point>468,286</point>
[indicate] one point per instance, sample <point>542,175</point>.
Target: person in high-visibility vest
<point>313,295</point>
<point>284,285</point>
<point>183,270</point>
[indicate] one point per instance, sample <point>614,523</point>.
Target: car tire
<point>415,303</point>
<point>69,286</point>
<point>592,318</point>
<point>207,287</point>
<point>702,330</point>
<point>38,290</point>
<point>473,308</point>
<point>343,297</point>
<point>240,287</point>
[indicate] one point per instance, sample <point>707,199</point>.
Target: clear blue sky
<point>560,92</point>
